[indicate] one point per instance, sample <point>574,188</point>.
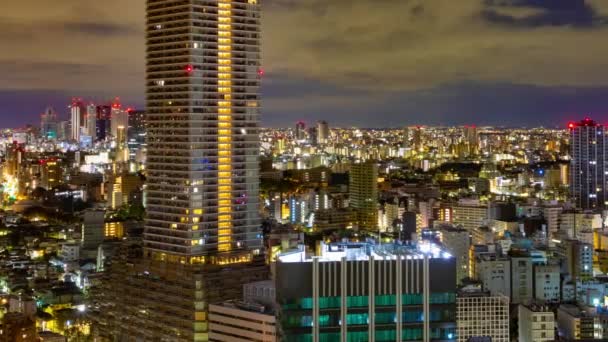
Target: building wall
<point>306,309</point>
<point>536,324</point>
<point>232,324</point>
<point>486,316</point>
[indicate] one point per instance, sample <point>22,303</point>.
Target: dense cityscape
<point>187,220</point>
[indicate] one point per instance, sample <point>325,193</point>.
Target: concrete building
<point>575,323</point>
<point>93,228</point>
<point>349,292</point>
<point>536,323</point>
<point>322,132</point>
<point>235,321</point>
<point>469,214</point>
<point>458,242</point>
<point>522,280</point>
<point>547,283</point>
<point>579,258</point>
<point>479,314</point>
<point>495,275</point>
<point>363,194</point>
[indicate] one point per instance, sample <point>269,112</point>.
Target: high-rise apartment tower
<point>588,164</point>
<point>203,77</point>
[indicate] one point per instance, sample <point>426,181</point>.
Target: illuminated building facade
<point>77,115</point>
<point>588,165</point>
<point>203,119</point>
<point>366,292</point>
<point>48,124</point>
<point>202,237</point>
<point>363,194</point>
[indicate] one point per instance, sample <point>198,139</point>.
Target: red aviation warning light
<point>571,125</point>
<point>261,72</point>
<point>189,68</point>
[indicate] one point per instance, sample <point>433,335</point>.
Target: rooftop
<point>365,250</point>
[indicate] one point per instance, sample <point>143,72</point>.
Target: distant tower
<point>471,138</point>
<point>588,165</point>
<point>77,111</point>
<point>300,133</point>
<point>405,140</point>
<point>322,132</point>
<point>119,117</point>
<point>104,114</point>
<point>363,194</point>
<point>136,132</point>
<point>417,138</point>
<point>91,122</point>
<point>48,123</point>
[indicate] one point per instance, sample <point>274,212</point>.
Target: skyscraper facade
<point>203,123</point>
<point>202,236</point>
<point>322,132</point>
<point>588,164</point>
<point>77,114</point>
<point>48,123</point>
<point>363,194</point>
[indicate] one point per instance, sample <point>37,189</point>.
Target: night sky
<point>366,63</point>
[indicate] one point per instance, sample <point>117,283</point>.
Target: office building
<point>547,283</point>
<point>521,279</point>
<point>576,323</point>
<point>588,164</point>
<point>479,315</point>
<point>363,194</point>
<point>300,131</point>
<point>235,321</point>
<point>458,242</point>
<point>495,275</point>
<point>469,214</point>
<point>90,124</point>
<point>136,132</point>
<point>77,115</point>
<point>119,117</point>
<point>536,323</point>
<point>104,122</point>
<point>48,123</point>
<point>578,258</point>
<point>322,132</point>
<point>348,293</point>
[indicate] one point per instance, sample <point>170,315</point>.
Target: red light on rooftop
<point>571,125</point>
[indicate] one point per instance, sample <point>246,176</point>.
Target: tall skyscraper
<point>90,123</point>
<point>471,138</point>
<point>104,114</point>
<point>136,132</point>
<point>77,114</point>
<point>119,117</point>
<point>300,132</point>
<point>363,194</point>
<point>322,132</point>
<point>48,123</point>
<point>202,236</point>
<point>588,164</point>
<point>203,123</point>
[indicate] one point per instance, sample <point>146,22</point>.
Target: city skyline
<point>485,62</point>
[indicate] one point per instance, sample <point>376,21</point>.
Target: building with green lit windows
<point>350,293</point>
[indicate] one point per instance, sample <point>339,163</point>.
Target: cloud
<point>410,44</point>
<point>385,60</point>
